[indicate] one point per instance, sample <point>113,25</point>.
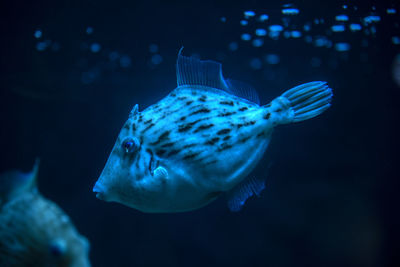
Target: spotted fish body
<point>201,140</point>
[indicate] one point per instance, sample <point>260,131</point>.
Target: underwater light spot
<point>396,40</point>
<point>371,19</point>
<point>95,47</point>
<point>342,18</point>
<point>156,59</point>
<point>153,48</point>
<point>244,22</point>
<point>223,19</point>
<point>125,61</point>
<point>41,46</point>
<point>263,17</point>
<point>233,46</point>
<point>290,11</point>
<point>257,42</point>
<point>296,34</point>
<point>338,28</point>
<point>261,32</point>
<point>37,34</point>
<point>391,11</point>
<point>249,13</point>
<point>355,27</point>
<point>272,59</point>
<point>344,6</point>
<point>255,63</point>
<point>320,41</point>
<point>307,27</point>
<point>245,37</point>
<point>342,47</point>
<point>275,28</point>
<point>89,30</point>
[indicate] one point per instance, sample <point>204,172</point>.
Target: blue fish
<point>200,141</point>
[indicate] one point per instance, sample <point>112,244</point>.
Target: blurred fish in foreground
<point>33,230</point>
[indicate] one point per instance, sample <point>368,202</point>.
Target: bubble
<point>95,47</point>
<point>272,59</point>
<point>223,19</point>
<point>396,70</point>
<point>338,28</point>
<point>296,34</point>
<point>244,22</point>
<point>246,37</point>
<point>290,11</point>
<point>263,17</point>
<point>344,6</point>
<point>391,11</point>
<point>37,34</point>
<point>371,19</point>
<point>89,30</point>
<point>125,61</point>
<point>261,32</point>
<point>233,46</point>
<point>249,13</point>
<point>307,27</point>
<point>156,59</point>
<point>255,63</point>
<point>257,42</point>
<point>396,40</point>
<point>276,28</point>
<point>153,48</point>
<point>321,41</point>
<point>41,46</point>
<point>342,47</point>
<point>355,27</point>
<point>342,18</point>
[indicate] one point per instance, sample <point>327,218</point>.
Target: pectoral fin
<point>160,173</point>
<point>243,191</point>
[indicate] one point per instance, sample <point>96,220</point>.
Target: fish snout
<point>100,190</point>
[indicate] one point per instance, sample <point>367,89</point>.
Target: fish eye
<point>129,145</point>
<point>57,248</point>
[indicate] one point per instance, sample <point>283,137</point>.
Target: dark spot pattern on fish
<point>249,123</point>
<point>223,131</point>
<point>203,98</point>
<point>182,118</point>
<point>173,94</point>
<point>203,127</point>
<point>243,109</point>
<point>210,162</point>
<point>184,128</point>
<point>278,110</point>
<point>148,121</point>
<point>226,114</point>
<point>127,126</point>
<point>168,145</point>
<point>203,110</point>
<point>140,118</point>
<point>160,152</point>
<point>161,138</point>
<point>212,141</point>
<point>173,152</point>
<point>262,134</point>
<point>182,97</point>
<point>189,145</point>
<point>227,137</point>
<point>189,102</point>
<point>267,116</point>
<point>244,139</point>
<point>224,147</point>
<point>133,127</point>
<point>228,103</point>
<point>148,127</point>
<point>190,156</point>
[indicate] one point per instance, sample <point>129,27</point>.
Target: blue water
<point>71,72</point>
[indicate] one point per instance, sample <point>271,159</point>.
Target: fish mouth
<point>99,189</point>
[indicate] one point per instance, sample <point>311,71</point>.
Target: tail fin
<point>308,100</point>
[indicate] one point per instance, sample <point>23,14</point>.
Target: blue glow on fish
<point>201,141</point>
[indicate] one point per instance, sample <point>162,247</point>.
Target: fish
<point>35,231</point>
<point>201,141</point>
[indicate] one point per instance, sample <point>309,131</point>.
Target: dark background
<point>332,182</point>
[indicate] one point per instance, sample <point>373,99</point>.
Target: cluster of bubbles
<point>114,59</point>
<point>259,28</point>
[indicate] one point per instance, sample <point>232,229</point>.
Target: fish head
<point>129,171</point>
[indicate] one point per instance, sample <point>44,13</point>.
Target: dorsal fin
<point>243,90</point>
<point>192,71</point>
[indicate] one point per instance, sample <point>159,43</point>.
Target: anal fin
<point>243,191</point>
